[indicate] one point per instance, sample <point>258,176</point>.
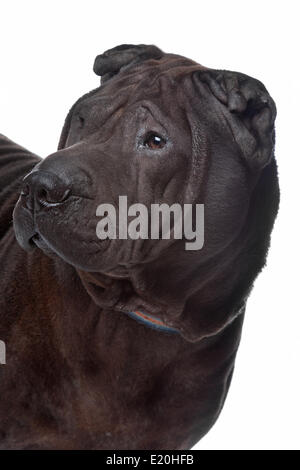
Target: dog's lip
<point>23,227</point>
<point>32,239</point>
<point>120,272</point>
<point>30,235</point>
<point>41,241</point>
<point>26,231</point>
<point>36,239</point>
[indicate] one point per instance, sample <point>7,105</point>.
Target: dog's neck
<point>181,299</point>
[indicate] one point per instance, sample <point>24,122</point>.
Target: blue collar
<point>151,322</point>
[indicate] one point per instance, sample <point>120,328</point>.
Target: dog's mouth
<point>50,231</point>
<point>37,241</point>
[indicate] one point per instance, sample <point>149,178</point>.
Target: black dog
<point>83,370</point>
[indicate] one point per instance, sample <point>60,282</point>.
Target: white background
<point>47,54</point>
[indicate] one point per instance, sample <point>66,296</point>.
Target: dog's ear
<point>252,109</point>
<point>113,60</point>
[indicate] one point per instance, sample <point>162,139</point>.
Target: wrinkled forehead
<point>162,81</point>
<point>152,79</point>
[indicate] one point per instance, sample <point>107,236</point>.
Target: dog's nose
<point>44,189</point>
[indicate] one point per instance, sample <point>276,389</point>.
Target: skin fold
<point>80,372</point>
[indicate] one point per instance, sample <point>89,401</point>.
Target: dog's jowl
<point>130,342</point>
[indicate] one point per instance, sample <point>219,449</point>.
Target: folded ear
<point>113,60</point>
<point>252,109</point>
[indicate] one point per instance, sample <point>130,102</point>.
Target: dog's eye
<point>154,141</point>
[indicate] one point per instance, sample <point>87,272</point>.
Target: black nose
<point>44,189</point>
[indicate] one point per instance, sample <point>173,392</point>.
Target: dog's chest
<point>124,386</point>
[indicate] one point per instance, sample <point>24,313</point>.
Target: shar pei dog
<point>122,342</point>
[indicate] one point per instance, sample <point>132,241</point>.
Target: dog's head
<point>160,129</point>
